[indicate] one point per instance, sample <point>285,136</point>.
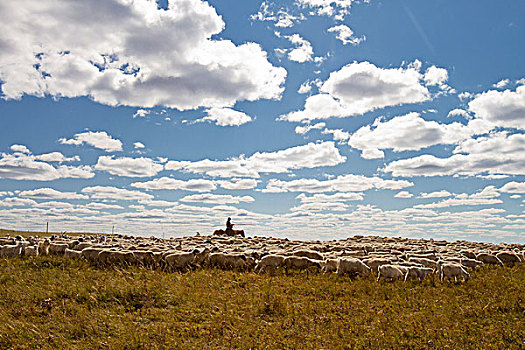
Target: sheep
<point>43,247</point>
<point>374,263</point>
<point>471,263</point>
<point>58,248</point>
<point>489,259</point>
<point>179,260</point>
<point>449,271</point>
<point>83,245</point>
<point>308,254</point>
<point>144,258</point>
<point>230,261</point>
<point>31,251</point>
<point>352,267</point>
<point>300,263</point>
<point>10,251</point>
<point>329,265</point>
<point>270,263</point>
<point>423,261</point>
<point>72,254</point>
<point>91,255</point>
<point>415,272</point>
<point>392,272</point>
<point>509,258</point>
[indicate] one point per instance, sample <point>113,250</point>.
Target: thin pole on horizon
<point>113,229</point>
<point>47,227</point>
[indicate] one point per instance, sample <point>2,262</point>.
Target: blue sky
<point>310,119</point>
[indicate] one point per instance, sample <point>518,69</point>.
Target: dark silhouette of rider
<point>229,225</point>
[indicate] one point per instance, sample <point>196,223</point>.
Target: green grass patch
<point>52,302</point>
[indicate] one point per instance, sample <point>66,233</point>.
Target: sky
<point>306,119</point>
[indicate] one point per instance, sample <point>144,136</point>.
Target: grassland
<point>53,302</point>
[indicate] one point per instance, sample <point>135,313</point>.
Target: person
<point>229,225</point>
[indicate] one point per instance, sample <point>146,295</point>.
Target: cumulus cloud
<point>336,8</point>
<point>458,113</point>
<point>437,194</point>
<point>403,194</point>
<point>330,198</point>
<point>57,157</point>
<point>303,51</point>
<point>114,193</point>
<point>342,183</point>
<point>502,84</point>
<point>311,155</point>
<point>102,206</point>
<point>167,183</point>
<point>435,76</point>
<point>133,57</point>
<point>503,108</point>
<point>486,196</point>
<point>217,198</point>
<point>138,145</point>
<point>24,166</point>
<point>50,193</point>
<point>97,139</point>
<point>225,117</point>
<point>141,113</point>
<point>362,87</point>
<point>317,207</point>
<point>129,167</point>
<point>513,187</point>
<point>498,153</point>
<point>238,184</point>
<point>16,202</point>
<point>411,132</point>
<point>337,134</point>
<point>306,128</point>
<point>282,18</point>
<point>20,149</point>
<point>346,35</point>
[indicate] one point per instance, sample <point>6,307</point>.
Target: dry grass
<point>52,302</point>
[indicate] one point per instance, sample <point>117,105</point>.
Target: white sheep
<point>179,260</point>
<point>456,271</point>
<point>374,263</point>
<point>10,251</point>
<point>489,259</point>
<point>352,267</point>
<point>270,263</point>
<point>300,263</point>
<point>31,251</point>
<point>43,247</point>
<point>72,254</point>
<point>416,272</point>
<point>329,265</point>
<point>230,261</point>
<point>58,248</point>
<point>509,258</point>
<point>392,272</point>
<point>308,254</point>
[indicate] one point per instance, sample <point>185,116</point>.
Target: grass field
<point>53,302</point>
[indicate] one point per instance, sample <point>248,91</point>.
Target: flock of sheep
<point>389,258</point>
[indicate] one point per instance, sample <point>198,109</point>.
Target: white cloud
<point>342,183</point>
<point>411,132</point>
<point>22,166</point>
<point>435,76</point>
<point>216,198</point>
<point>362,87</point>
<point>16,202</point>
<point>404,194</point>
<point>503,108</point>
<point>138,145</point>
<point>461,200</point>
<point>102,206</point>
<point>114,193</point>
<point>130,167</point>
<point>311,155</point>
<point>513,187</point>
<point>238,184</point>
<point>502,83</point>
<point>322,206</point>
<point>304,129</point>
<point>225,117</point>
<point>141,113</point>
<point>56,157</point>
<point>324,198</point>
<point>133,57</point>
<point>97,139</point>
<point>337,134</point>
<point>303,52</point>
<point>336,8</point>
<point>167,183</point>
<point>50,193</point>
<point>282,17</point>
<point>20,149</point>
<point>497,153</point>
<point>458,113</point>
<point>346,35</point>
<point>437,194</point>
